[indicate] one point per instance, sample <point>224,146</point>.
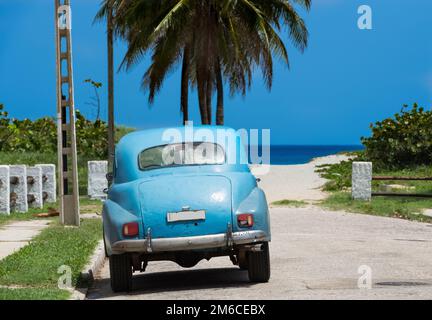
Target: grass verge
<point>25,216</point>
<point>339,184</point>
<point>90,206</point>
<point>290,203</point>
<point>33,294</point>
<point>35,266</point>
<point>394,207</point>
<point>86,206</point>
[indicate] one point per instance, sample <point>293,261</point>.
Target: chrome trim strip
<point>189,243</point>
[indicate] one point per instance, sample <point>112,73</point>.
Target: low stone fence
<point>362,184</point>
<point>97,180</point>
<point>361,188</point>
<point>22,187</point>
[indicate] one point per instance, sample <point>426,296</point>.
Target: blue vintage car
<point>184,201</point>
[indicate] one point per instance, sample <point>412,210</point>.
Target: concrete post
<point>362,181</point>
<point>4,190</point>
<point>34,187</point>
<point>97,181</point>
<point>18,188</point>
<point>49,186</point>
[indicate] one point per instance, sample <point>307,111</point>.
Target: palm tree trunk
<point>209,91</point>
<point>208,59</point>
<point>201,73</point>
<point>220,95</point>
<point>110,49</point>
<point>201,83</point>
<point>185,86</point>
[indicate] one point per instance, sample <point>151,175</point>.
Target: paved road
<point>315,255</point>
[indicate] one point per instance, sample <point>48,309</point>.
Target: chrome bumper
<point>221,240</point>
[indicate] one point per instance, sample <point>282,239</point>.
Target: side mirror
<point>258,179</point>
<point>110,177</point>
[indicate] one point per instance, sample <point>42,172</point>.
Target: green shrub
<point>402,141</point>
<point>339,174</point>
<point>40,135</point>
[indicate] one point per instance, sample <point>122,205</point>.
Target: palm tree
<point>216,40</point>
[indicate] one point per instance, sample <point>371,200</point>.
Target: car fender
<point>114,217</point>
<point>255,203</point>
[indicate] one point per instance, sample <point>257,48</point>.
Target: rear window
<point>181,154</point>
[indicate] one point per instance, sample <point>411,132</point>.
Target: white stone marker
<point>97,180</point>
<point>18,188</point>
<point>362,181</point>
<point>4,190</point>
<point>49,185</point>
<point>34,187</point>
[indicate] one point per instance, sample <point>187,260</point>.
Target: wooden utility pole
<point>66,135</point>
<point>111,126</point>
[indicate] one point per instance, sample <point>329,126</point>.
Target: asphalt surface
<point>315,254</point>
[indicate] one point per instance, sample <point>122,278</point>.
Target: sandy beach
<point>296,182</point>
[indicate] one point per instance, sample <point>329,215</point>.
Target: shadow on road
<point>159,282</point>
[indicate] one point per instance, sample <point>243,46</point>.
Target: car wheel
<point>121,272</point>
<point>259,264</point>
<point>242,260</point>
<point>104,242</point>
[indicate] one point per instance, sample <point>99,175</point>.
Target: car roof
<point>132,144</point>
<point>155,136</point>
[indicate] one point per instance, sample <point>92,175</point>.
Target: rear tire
<point>242,260</point>
<point>104,241</point>
<point>121,272</point>
<point>259,264</point>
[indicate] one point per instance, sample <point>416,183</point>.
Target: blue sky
<point>346,79</point>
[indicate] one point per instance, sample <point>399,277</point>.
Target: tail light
<point>130,229</point>
<point>245,220</point>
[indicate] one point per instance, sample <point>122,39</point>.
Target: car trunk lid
<point>182,206</point>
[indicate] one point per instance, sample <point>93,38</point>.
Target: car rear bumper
<point>220,240</point>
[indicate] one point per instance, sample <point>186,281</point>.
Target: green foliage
<point>24,136</point>
<point>339,183</point>
<point>121,131</point>
<point>339,174</point>
<point>402,141</point>
<point>92,137</point>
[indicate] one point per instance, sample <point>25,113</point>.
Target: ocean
<point>297,154</point>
